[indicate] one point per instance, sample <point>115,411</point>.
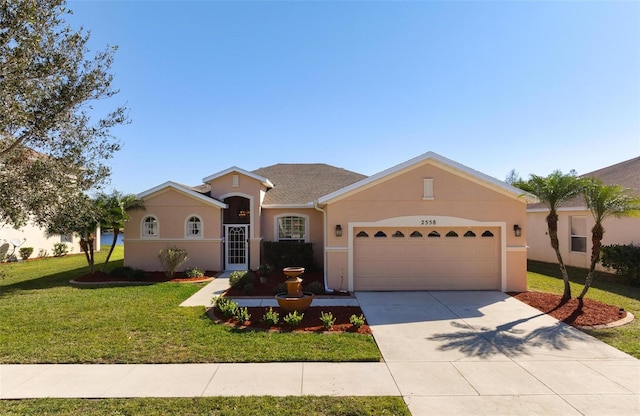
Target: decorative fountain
<point>294,299</point>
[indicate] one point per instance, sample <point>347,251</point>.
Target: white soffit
<point>176,186</point>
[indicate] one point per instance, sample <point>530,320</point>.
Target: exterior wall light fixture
<point>517,230</point>
<point>338,230</point>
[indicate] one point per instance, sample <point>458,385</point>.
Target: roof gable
<point>431,158</point>
<point>184,190</point>
<point>263,180</point>
<point>301,184</point>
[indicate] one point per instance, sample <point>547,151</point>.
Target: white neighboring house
<point>33,236</point>
<point>575,221</point>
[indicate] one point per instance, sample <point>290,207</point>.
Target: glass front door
<point>237,247</point>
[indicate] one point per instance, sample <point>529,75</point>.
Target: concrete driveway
<point>485,353</point>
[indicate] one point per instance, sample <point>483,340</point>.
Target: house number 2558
<point>427,222</point>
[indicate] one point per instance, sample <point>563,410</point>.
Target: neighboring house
<point>31,235</point>
<point>428,223</point>
<point>575,221</point>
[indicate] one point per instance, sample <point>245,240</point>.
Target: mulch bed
<point>310,321</point>
<point>588,313</point>
<point>152,277</point>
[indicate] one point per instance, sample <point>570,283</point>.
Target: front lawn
<point>545,277</point>
<point>211,406</point>
<point>47,320</point>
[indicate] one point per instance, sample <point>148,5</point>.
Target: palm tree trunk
<point>116,231</point>
<point>597,232</point>
<point>552,224</point>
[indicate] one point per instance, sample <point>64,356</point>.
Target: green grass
<point>47,320</point>
<point>228,406</point>
<point>545,277</point>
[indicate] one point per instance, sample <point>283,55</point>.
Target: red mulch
<point>590,313</point>
<point>274,279</point>
<point>310,321</point>
<point>152,277</point>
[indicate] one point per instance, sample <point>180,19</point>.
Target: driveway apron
<point>486,353</point>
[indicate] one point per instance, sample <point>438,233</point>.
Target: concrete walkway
<point>445,353</point>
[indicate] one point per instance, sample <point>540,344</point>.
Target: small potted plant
<point>263,271</point>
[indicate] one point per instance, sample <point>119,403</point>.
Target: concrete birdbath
<point>294,299</point>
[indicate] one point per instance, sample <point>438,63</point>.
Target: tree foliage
<point>52,147</point>
<point>113,214</point>
<point>554,190</point>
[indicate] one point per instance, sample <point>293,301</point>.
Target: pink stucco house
<point>426,224</point>
<point>575,221</point>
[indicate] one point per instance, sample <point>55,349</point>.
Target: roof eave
<point>182,189</point>
<point>264,181</point>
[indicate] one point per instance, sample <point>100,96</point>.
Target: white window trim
<point>276,230</point>
<point>571,235</point>
<point>143,230</point>
<point>186,227</point>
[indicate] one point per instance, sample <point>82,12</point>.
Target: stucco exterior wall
<point>453,196</point>
<point>315,233</point>
<point>172,209</point>
<point>37,238</point>
<point>617,231</point>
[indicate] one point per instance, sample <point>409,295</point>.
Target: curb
<point>626,320</point>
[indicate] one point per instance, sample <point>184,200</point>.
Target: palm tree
<point>113,214</point>
<point>553,191</point>
<point>605,201</point>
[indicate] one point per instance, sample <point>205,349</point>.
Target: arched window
<point>452,234</point>
<point>469,234</point>
<point>487,234</point>
<point>380,234</point>
<point>362,234</point>
<point>433,234</point>
<point>291,228</point>
<point>398,234</point>
<point>416,234</point>
<point>150,226</point>
<point>194,227</point>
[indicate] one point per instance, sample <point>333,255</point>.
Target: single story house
<point>31,235</point>
<point>575,221</point>
<point>426,224</point>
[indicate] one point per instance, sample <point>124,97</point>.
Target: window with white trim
<point>194,227</point>
<point>292,228</point>
<point>579,233</point>
<point>150,226</point>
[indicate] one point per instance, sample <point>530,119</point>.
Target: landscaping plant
<point>172,258</point>
<point>293,318</point>
<point>271,317</point>
<point>327,320</point>
<point>193,272</point>
<point>357,321</point>
<point>242,314</point>
<point>25,252</point>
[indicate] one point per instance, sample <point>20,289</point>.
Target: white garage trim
<point>431,221</point>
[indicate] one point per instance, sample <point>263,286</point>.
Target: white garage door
<point>427,259</point>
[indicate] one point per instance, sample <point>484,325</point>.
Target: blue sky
<point>531,86</point>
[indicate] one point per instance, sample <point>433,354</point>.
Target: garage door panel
<point>427,263</point>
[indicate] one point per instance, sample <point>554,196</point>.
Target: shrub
<point>280,287</point>
<point>327,320</point>
<point>271,317</point>
<point>25,252</point>
<point>172,258</point>
<point>60,249</point>
<point>624,259</point>
<point>291,253</point>
<point>316,288</point>
<point>43,253</point>
<point>357,321</point>
<point>293,318</point>
<point>226,306</point>
<point>242,314</point>
<point>239,279</point>
<point>128,273</point>
<point>193,272</point>
<point>249,289</point>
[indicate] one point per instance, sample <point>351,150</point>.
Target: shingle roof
<point>625,174</point>
<point>300,184</point>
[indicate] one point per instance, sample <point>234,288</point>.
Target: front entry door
<point>237,247</point>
